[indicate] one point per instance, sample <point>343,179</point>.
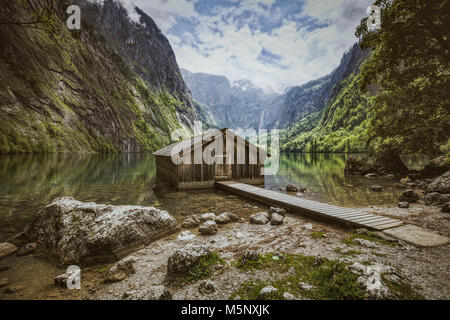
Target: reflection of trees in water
<point>323,174</point>
<point>30,182</point>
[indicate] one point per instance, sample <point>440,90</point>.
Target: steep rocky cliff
<point>301,101</point>
<point>232,105</point>
<point>112,86</point>
<point>338,124</point>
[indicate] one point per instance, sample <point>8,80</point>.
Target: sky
<point>274,43</point>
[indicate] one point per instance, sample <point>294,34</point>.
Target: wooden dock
<point>323,211</point>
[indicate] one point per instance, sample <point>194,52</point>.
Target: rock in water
<point>184,259</point>
<point>208,228</point>
<point>291,188</point>
<point>93,233</point>
<point>259,218</point>
<point>409,196</point>
<point>358,165</point>
<point>441,184</point>
<point>7,249</point>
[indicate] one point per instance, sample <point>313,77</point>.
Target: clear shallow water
<point>29,182</point>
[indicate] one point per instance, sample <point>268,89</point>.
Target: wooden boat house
<point>200,161</point>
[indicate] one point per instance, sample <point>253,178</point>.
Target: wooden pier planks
<point>346,216</point>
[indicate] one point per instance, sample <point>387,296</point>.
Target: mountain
<point>112,86</point>
<point>338,122</point>
<point>233,105</point>
<point>301,101</point>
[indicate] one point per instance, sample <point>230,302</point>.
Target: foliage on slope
<point>339,127</point>
<point>68,91</point>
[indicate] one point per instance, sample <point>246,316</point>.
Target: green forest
<point>398,100</point>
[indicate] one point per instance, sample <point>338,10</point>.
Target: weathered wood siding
<point>186,176</point>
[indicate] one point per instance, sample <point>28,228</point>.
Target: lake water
<point>29,182</point>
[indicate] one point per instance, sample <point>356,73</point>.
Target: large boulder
<point>409,196</point>
<point>93,233</point>
<point>359,166</point>
<point>185,259</point>
<point>435,198</point>
<point>436,167</point>
<point>441,184</point>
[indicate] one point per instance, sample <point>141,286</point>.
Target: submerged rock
<point>259,218</point>
<point>208,228</point>
<point>7,249</point>
<point>184,259</point>
<point>359,166</point>
<point>91,233</point>
<point>409,196</point>
<point>441,184</point>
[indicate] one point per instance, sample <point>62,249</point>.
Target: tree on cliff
<point>409,69</point>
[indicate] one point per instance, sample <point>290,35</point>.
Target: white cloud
<point>235,50</point>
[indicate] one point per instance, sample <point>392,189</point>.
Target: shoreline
<point>424,267</point>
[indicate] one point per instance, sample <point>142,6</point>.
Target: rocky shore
<point>259,253</point>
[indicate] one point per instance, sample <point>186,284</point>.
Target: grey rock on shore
<point>184,259</point>
<point>92,233</point>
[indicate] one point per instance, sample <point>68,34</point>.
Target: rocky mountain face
<point>244,105</point>
<point>232,105</point>
<point>112,86</point>
<point>337,122</point>
<point>300,101</point>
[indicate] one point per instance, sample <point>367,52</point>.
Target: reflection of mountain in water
<point>323,175</point>
<point>31,182</point>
